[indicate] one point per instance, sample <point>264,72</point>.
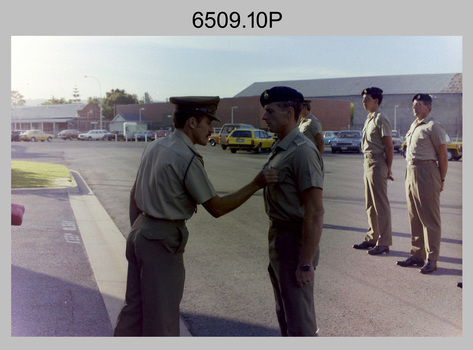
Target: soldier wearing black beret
<point>378,151</point>
<point>171,181</point>
<point>295,210</point>
<point>427,164</point>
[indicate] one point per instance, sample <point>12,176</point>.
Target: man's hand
<point>266,177</point>
<point>304,277</point>
<point>390,175</point>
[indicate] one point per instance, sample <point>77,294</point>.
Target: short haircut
<point>179,118</point>
<point>297,106</point>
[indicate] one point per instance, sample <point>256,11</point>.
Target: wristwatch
<point>305,267</point>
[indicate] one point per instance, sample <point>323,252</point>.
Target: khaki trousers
<point>423,185</point>
<point>155,280</point>
<point>295,307</point>
<point>377,202</point>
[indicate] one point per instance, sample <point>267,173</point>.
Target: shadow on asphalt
<point>47,306</point>
<point>211,326</point>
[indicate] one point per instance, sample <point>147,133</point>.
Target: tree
<point>75,95</point>
<point>112,98</point>
<point>17,99</point>
<point>55,101</point>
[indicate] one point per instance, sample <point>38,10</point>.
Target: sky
<point>45,66</point>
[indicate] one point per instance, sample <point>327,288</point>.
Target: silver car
<point>347,140</point>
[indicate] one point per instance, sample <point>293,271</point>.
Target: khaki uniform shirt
<point>300,167</point>
<point>310,126</point>
<point>171,179</point>
<point>423,137</point>
<point>376,127</point>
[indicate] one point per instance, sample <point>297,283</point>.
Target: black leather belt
<point>178,222</point>
<point>285,225</point>
<point>418,161</point>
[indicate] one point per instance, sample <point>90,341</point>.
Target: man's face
<point>420,109</point>
<point>203,130</point>
<point>369,103</point>
<point>276,118</point>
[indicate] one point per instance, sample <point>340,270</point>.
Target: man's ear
<point>291,112</point>
<point>191,122</point>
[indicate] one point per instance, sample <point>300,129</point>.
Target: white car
<point>95,135</point>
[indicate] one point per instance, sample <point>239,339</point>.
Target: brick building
<point>334,115</point>
<point>446,90</point>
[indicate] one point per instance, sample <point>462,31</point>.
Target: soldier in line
<point>378,150</point>
<point>311,127</point>
<point>427,164</point>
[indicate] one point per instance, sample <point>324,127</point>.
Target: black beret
<point>205,104</point>
<point>422,97</point>
<point>372,91</point>
<point>280,94</point>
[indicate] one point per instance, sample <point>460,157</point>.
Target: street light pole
<point>395,107</point>
<point>140,113</point>
<point>232,108</point>
<point>100,96</point>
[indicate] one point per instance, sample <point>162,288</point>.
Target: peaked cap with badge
<point>204,104</point>
<point>280,94</point>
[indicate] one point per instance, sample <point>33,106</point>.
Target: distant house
<point>54,118</point>
<point>116,125</point>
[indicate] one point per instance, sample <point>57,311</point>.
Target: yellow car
<point>454,149</point>
<point>35,135</point>
<point>249,140</point>
<point>214,139</point>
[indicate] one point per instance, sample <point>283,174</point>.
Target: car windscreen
<point>241,133</point>
<point>348,135</point>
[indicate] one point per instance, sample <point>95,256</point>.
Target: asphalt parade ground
<point>68,270</point>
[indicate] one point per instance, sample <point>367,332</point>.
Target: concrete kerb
<point>105,246</point>
<point>103,241</point>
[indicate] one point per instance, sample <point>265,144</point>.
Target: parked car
<point>69,134</point>
<point>15,135</point>
<point>214,139</point>
<point>162,133</point>
<point>454,149</point>
<point>249,140</point>
<point>35,135</point>
<point>396,140</point>
<point>347,140</point>
<point>329,136</point>
<point>227,129</point>
<point>147,135</point>
<point>97,135</point>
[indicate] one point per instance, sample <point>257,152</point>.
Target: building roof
<point>391,84</point>
<point>55,112</point>
<point>131,117</point>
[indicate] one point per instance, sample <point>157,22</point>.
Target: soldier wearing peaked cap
<point>427,164</point>
<point>311,127</point>
<point>171,181</point>
<point>295,210</point>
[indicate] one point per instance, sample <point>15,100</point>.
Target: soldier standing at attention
<point>295,209</point>
<point>170,182</point>
<point>378,150</point>
<point>427,164</point>
<point>311,127</point>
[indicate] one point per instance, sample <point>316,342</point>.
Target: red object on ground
<point>17,211</point>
